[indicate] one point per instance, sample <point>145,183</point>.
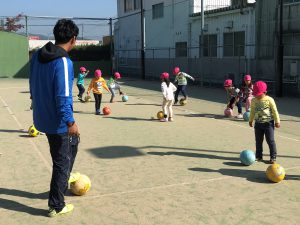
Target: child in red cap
<point>264,112</point>
<point>80,82</point>
<point>97,84</point>
<point>233,97</point>
<point>168,89</point>
<point>247,89</point>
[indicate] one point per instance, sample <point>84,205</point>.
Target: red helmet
<point>82,69</point>
<point>259,88</point>
<point>98,73</point>
<point>117,75</point>
<point>227,83</point>
<point>164,75</point>
<point>176,70</point>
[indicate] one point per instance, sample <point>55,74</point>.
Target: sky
<point>88,29</point>
<point>61,8</point>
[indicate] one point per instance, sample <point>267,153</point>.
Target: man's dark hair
<point>64,31</point>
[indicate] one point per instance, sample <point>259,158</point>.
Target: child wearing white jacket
<point>168,89</point>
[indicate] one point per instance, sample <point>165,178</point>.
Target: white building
<point>172,37</point>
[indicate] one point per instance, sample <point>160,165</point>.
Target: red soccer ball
<point>106,110</point>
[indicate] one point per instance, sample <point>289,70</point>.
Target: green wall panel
<point>13,55</point>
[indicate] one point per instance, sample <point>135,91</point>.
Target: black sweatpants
<point>265,130</point>
<point>63,149</point>
<point>98,99</point>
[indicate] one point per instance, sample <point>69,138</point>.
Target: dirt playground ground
<point>145,172</point>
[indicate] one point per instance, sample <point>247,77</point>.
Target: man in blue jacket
<point>51,81</point>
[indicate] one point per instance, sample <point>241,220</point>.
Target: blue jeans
<point>63,150</point>
<point>267,130</point>
<point>180,88</point>
<point>238,104</point>
<point>81,90</point>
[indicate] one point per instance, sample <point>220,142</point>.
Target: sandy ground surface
<point>147,172</point>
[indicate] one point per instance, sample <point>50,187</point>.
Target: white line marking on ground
<point>31,142</point>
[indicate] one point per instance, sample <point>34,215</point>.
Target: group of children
<point>97,85</point>
<point>262,109</point>
<point>261,106</point>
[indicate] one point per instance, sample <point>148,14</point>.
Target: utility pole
<point>111,45</point>
<point>279,63</point>
<point>142,41</point>
<point>26,26</point>
<point>202,42</point>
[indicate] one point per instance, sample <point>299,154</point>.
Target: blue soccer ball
<point>246,116</point>
<point>247,157</point>
<point>125,98</point>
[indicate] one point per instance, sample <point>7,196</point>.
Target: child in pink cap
<point>97,85</point>
<point>233,97</point>
<point>181,83</point>
<point>83,72</point>
<point>114,85</point>
<point>168,89</point>
<point>265,114</point>
<point>246,90</point>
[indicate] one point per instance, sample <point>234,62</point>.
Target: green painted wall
<point>13,55</point>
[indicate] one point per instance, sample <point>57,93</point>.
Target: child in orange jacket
<point>97,84</point>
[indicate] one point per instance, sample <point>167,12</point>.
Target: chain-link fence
<point>42,27</point>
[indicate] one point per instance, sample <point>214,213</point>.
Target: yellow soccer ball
<point>87,98</point>
<point>32,131</point>
<point>81,186</point>
<point>160,115</point>
<point>275,173</point>
<point>182,101</point>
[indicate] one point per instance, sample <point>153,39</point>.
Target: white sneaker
<point>239,116</point>
<point>164,120</point>
<point>171,119</point>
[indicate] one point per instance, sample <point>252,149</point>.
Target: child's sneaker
<point>239,116</point>
<point>74,177</point>
<point>273,160</point>
<point>259,159</point>
<point>97,112</point>
<point>171,119</point>
<point>164,120</point>
<point>68,208</point>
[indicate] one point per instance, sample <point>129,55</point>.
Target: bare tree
<point>11,24</point>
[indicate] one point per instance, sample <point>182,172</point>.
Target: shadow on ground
<point>19,207</point>
<point>12,131</point>
<point>250,175</point>
<point>142,104</point>
<point>112,152</point>
<point>24,194</point>
<point>129,118</point>
<point>196,155</point>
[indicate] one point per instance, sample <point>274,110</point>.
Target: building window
<point>291,44</point>
<point>290,1</point>
<point>158,11</point>
<point>181,49</point>
<point>130,5</point>
<point>234,44</point>
<point>209,45</point>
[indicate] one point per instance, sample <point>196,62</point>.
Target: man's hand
<point>277,125</point>
<point>250,124</point>
<point>73,130</point>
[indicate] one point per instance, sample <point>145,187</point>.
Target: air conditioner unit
<point>294,69</point>
<point>229,24</point>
